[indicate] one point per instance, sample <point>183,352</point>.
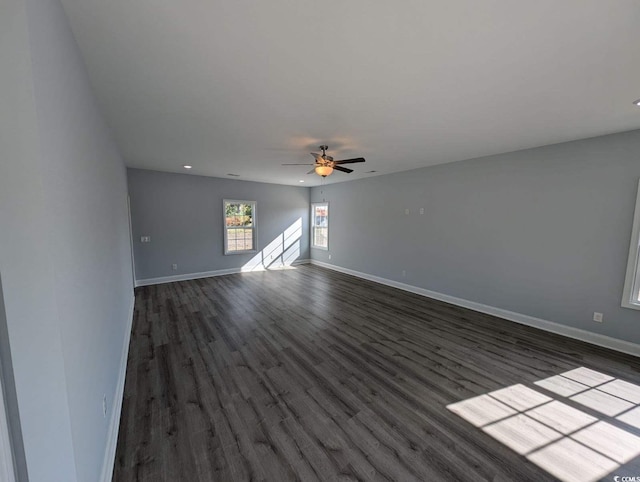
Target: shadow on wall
<point>279,253</point>
<point>581,426</point>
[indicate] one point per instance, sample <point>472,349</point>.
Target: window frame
<point>254,227</point>
<point>632,277</point>
<point>313,225</point>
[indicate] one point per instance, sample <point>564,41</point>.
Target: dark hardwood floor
<point>308,374</point>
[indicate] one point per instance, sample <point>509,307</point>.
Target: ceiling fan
<point>325,164</point>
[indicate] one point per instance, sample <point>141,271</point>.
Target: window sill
<point>631,306</point>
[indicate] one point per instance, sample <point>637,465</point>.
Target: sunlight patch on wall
<point>567,442</point>
<point>280,253</point>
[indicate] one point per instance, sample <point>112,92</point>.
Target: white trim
<point>205,274</point>
<point>114,422</point>
<point>253,227</point>
<point>550,326</point>
<point>313,225</point>
<point>186,277</point>
<point>631,277</point>
<point>133,261</point>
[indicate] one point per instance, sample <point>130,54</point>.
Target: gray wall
<point>64,246</point>
<point>543,232</point>
<point>183,215</point>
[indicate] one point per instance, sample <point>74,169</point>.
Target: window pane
<point>238,214</point>
<point>231,209</point>
<point>321,237</point>
<point>239,239</point>
<point>320,215</point>
<point>231,239</point>
<point>248,239</point>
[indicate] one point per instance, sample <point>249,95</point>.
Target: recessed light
<point>301,180</point>
<point>637,102</point>
<point>187,166</point>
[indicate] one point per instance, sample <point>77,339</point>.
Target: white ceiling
<point>241,86</point>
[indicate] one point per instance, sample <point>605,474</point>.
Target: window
<point>239,227</point>
<point>631,296</point>
<point>320,225</point>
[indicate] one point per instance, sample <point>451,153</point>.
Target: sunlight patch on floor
<point>561,385</point>
<point>571,461</point>
<point>621,389</point>
<point>567,442</point>
<point>602,402</point>
<point>561,417</point>
<point>632,417</point>
<point>520,397</point>
<point>522,433</point>
<point>587,377</point>
<point>482,410</point>
<point>615,443</point>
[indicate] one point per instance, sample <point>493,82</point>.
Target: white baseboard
<point>185,277</point>
<point>550,326</point>
<point>207,274</point>
<point>114,421</point>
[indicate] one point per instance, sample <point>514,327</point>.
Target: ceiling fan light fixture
<point>324,171</point>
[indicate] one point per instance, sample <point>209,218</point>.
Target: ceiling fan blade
<point>350,161</point>
<point>317,156</point>
<point>305,164</point>
<point>312,171</point>
<point>343,169</point>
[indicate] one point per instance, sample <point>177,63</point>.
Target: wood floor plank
<point>309,374</point>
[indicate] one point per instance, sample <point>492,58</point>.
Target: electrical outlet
<point>406,211</point>
<point>104,406</point>
<point>597,317</point>
<point>421,210</point>
<point>329,256</point>
<point>145,239</point>
<point>174,266</point>
<point>404,273</point>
